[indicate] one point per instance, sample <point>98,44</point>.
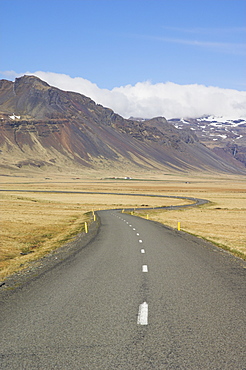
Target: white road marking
<point>140,241</point>
<point>143,314</point>
<point>137,234</point>
<point>142,251</point>
<point>145,268</point>
<point>134,229</point>
<point>130,225</point>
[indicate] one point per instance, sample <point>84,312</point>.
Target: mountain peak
<point>31,80</point>
<point>28,82</point>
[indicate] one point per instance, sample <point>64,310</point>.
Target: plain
<point>35,223</point>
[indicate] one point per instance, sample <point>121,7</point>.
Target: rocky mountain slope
<point>225,136</point>
<point>46,128</point>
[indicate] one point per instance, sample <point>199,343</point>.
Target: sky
<point>142,58</point>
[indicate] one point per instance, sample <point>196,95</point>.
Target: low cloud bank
<point>149,100</point>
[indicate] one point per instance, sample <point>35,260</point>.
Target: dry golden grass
<point>36,223</point>
<point>222,221</point>
<point>31,228</point>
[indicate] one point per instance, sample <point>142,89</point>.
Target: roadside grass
<point>222,221</point>
<point>29,230</point>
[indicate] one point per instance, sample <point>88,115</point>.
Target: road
<point>139,296</point>
<point>195,201</point>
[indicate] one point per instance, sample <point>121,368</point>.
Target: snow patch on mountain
<point>223,134</point>
<point>221,120</point>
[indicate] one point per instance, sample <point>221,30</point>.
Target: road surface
<point>138,296</point>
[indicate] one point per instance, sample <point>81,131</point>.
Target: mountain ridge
<point>45,127</point>
<point>225,136</point>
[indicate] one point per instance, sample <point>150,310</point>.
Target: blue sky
<point>114,43</point>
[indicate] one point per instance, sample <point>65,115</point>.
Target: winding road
<point>139,296</point>
<point>195,201</point>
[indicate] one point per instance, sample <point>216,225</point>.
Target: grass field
<point>222,221</point>
<point>33,224</point>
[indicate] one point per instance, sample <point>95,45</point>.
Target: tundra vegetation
<point>35,223</point>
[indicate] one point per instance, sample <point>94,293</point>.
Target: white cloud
<point>148,100</point>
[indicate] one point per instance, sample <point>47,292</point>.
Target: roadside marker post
<point>94,216</point>
<point>147,216</point>
<point>179,225</point>
<point>86,227</point>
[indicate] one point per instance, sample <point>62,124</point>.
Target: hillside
<point>44,128</point>
<point>225,136</point>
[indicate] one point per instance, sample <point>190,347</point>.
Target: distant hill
<point>224,135</point>
<point>45,128</point>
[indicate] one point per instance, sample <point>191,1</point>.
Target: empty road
<point>138,296</point>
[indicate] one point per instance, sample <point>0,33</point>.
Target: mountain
<point>43,127</point>
<point>224,135</point>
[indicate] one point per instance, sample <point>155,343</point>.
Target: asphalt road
<point>139,296</point>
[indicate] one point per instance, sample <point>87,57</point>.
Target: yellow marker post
<point>94,216</point>
<point>122,211</point>
<point>179,225</point>
<point>147,217</point>
<point>86,227</point>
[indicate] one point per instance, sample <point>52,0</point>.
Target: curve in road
<point>196,201</point>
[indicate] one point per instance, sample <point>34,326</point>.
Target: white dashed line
<point>133,229</point>
<point>144,268</point>
<point>140,241</point>
<point>142,251</point>
<point>143,314</point>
